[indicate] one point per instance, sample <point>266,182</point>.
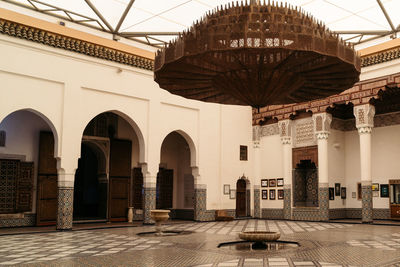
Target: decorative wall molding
<point>303,133</point>
<point>381,57</point>
<point>270,129</point>
<point>72,44</point>
<point>360,93</point>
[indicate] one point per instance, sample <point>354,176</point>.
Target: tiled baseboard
<point>25,220</point>
<point>356,213</point>
<point>272,214</point>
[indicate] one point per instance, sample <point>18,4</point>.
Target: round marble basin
<point>260,236</point>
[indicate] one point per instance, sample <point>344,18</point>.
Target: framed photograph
<point>232,193</point>
<point>279,182</point>
<point>331,193</point>
<point>343,192</point>
<point>375,193</point>
<point>384,190</point>
<point>226,189</point>
<point>353,194</point>
<point>264,182</point>
<point>280,193</point>
<point>337,189</point>
<point>272,182</point>
<point>272,194</point>
<point>375,187</point>
<point>264,194</point>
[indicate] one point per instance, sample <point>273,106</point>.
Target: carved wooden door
<point>47,181</point>
<point>165,181</point>
<point>120,173</point>
<point>241,198</point>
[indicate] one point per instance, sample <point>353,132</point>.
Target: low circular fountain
<point>159,216</point>
<point>259,238</point>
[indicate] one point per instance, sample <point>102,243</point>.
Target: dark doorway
<point>164,190</point>
<point>241,198</point>
<point>88,194</point>
<point>305,184</point>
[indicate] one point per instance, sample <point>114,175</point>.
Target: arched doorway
<point>27,162</point>
<point>90,194</point>
<point>242,198</point>
<point>107,169</point>
<point>305,184</point>
<point>175,182</point>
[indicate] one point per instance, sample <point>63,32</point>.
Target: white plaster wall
<point>236,130</point>
<point>352,167</point>
<point>70,89</point>
<point>336,163</point>
<point>271,167</point>
<point>385,159</point>
<point>22,139</point>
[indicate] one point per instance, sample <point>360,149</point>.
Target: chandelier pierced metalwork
<point>257,54</point>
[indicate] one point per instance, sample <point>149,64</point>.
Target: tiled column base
<point>65,208</point>
<point>366,194</point>
<point>149,203</point>
<point>323,199</point>
<point>200,196</point>
<point>257,213</point>
<point>287,202</point>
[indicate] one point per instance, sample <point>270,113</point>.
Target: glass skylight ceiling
<point>147,20</point>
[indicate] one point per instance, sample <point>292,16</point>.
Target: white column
<point>365,122</point>
<point>285,132</point>
<point>257,171</point>
<point>322,123</point>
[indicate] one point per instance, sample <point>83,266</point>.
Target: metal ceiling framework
<point>150,38</point>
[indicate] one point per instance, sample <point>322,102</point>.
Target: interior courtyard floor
<point>321,244</point>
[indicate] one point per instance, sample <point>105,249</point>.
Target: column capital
<point>322,125</point>
<point>256,133</point>
<point>286,140</point>
<point>364,117</point>
<point>364,129</point>
<point>256,144</point>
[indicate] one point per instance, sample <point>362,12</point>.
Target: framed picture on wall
<point>384,190</point>
<point>272,182</point>
<point>343,192</point>
<point>232,193</point>
<point>358,191</point>
<point>280,193</point>
<point>337,189</point>
<point>264,194</point>
<point>279,182</point>
<point>353,194</point>
<point>375,187</point>
<point>226,189</point>
<point>264,182</point>
<point>331,193</point>
<point>272,194</point>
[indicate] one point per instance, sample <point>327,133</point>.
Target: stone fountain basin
<point>260,236</point>
<point>159,215</point>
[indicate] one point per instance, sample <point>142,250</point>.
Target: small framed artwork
<point>331,193</point>
<point>272,182</point>
<point>226,189</point>
<point>375,187</point>
<point>280,193</point>
<point>337,189</point>
<point>272,194</point>
<point>264,182</point>
<point>384,190</point>
<point>232,193</point>
<point>353,194</point>
<point>279,182</point>
<point>343,192</point>
<point>375,193</point>
<point>264,194</point>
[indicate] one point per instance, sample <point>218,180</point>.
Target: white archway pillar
<point>257,171</point>
<point>285,132</point>
<point>365,122</point>
<point>322,122</point>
